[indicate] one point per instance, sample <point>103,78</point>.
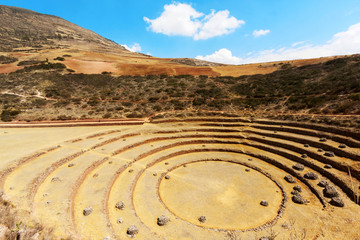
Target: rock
<point>306,145</point>
<point>131,170</point>
<point>55,179</point>
<point>95,175</point>
<point>265,238</point>
<point>247,170</point>
<point>298,167</point>
<point>162,220</point>
<point>311,176</point>
<point>202,219</point>
<point>327,166</point>
<point>185,165</point>
<point>290,179</point>
<point>132,231</point>
<point>250,159</point>
<point>4,232</point>
<point>322,139</point>
<point>264,203</point>
<point>336,201</point>
<point>166,163</point>
<point>71,165</point>
<point>154,174</point>
<point>342,146</point>
<point>329,154</point>
<point>330,191</point>
<point>295,192</point>
<point>323,183</point>
<point>297,188</point>
<point>304,155</point>
<point>297,198</point>
<point>120,220</point>
<point>106,238</point>
<point>120,205</point>
<point>167,177</point>
<point>87,211</point>
<point>320,150</point>
<point>110,162</point>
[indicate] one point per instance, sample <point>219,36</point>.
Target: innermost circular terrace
<point>228,194</point>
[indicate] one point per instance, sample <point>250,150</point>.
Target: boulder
<point>132,231</point>
<point>87,211</point>
<point>290,179</point>
<point>162,220</point>
<point>311,176</point>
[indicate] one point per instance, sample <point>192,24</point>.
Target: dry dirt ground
<point>89,62</point>
<point>95,181</point>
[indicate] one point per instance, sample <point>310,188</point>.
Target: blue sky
<point>229,31</point>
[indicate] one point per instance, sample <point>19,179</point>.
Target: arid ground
<point>193,178</point>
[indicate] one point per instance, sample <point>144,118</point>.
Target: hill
<point>51,69</point>
<point>28,36</point>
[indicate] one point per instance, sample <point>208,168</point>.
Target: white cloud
<point>177,19</point>
<point>217,24</point>
<point>134,48</point>
<point>182,19</point>
<point>342,43</point>
<point>222,56</point>
<point>261,32</point>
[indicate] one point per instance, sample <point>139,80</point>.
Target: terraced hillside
<point>195,178</point>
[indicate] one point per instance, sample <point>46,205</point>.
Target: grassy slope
<point>332,87</point>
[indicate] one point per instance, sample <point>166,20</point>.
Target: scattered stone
<point>323,183</point>
<point>120,205</point>
<point>264,203</point>
<point>11,188</point>
<point>95,175</point>
<point>327,166</point>
<point>290,179</point>
<point>110,162</point>
<point>298,167</point>
<point>167,177</point>
<point>336,201</point>
<point>106,238</point>
<point>202,219</point>
<point>45,194</point>
<point>306,145</point>
<point>48,202</point>
<point>71,165</point>
<point>322,139</point>
<point>120,220</point>
<point>55,179</point>
<point>185,165</point>
<point>342,146</point>
<point>250,159</point>
<point>311,176</point>
<point>264,238</point>
<point>131,170</point>
<point>87,211</point>
<point>320,150</point>
<point>132,231</point>
<point>166,163</point>
<point>297,198</point>
<point>297,188</point>
<point>304,155</point>
<point>247,170</point>
<point>329,154</point>
<point>154,174</point>
<point>330,191</point>
<point>162,220</point>
<point>295,192</point>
